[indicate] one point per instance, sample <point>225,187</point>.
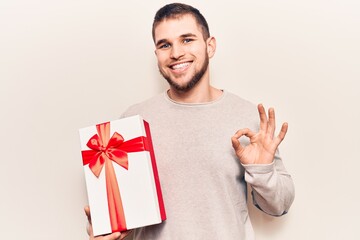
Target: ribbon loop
<point>115,148</point>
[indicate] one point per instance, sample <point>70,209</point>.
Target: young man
<point>204,168</point>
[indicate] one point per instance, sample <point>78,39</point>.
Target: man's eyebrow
<point>161,41</point>
<point>185,35</point>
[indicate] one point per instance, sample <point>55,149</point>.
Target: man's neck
<point>198,94</point>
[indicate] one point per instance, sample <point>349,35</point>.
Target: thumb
<point>236,144</point>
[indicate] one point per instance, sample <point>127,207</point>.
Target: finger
<point>271,123</point>
<point>89,230</point>
<point>236,144</point>
<point>113,236</point>
<point>263,117</point>
<point>87,212</point>
<point>282,134</point>
<point>242,132</point>
<point>125,234</point>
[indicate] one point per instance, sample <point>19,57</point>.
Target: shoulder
<point>238,103</point>
<point>240,111</point>
<point>142,108</point>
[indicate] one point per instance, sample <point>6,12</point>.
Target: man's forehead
<point>177,26</point>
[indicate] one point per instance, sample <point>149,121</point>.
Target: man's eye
<point>187,40</point>
<point>166,45</point>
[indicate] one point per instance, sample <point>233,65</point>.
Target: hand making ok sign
<point>263,144</point>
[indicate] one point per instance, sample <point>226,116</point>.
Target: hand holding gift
<point>113,236</point>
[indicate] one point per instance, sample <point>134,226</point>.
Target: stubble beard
<point>193,81</point>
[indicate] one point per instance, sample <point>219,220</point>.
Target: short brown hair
<point>175,10</point>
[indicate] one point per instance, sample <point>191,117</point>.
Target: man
<point>204,168</point>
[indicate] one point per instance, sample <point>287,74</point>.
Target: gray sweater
<point>203,182</point>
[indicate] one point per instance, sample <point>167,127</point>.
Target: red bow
<point>103,151</point>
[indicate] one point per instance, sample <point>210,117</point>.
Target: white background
<point>70,64</point>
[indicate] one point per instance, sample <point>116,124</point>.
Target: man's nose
<point>177,51</point>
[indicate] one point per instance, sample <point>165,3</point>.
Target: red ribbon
<point>104,150</point>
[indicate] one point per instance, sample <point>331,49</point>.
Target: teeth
<point>181,65</point>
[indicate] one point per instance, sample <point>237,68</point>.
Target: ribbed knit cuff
<point>259,168</point>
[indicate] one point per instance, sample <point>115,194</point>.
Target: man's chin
<point>184,87</point>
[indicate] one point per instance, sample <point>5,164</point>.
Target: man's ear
<point>211,46</point>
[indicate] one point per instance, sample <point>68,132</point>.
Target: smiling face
<point>182,53</point>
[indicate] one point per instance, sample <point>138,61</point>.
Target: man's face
<point>181,51</point>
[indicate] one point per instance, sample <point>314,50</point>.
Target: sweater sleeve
<point>272,186</point>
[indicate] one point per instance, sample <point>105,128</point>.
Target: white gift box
<point>138,185</point>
